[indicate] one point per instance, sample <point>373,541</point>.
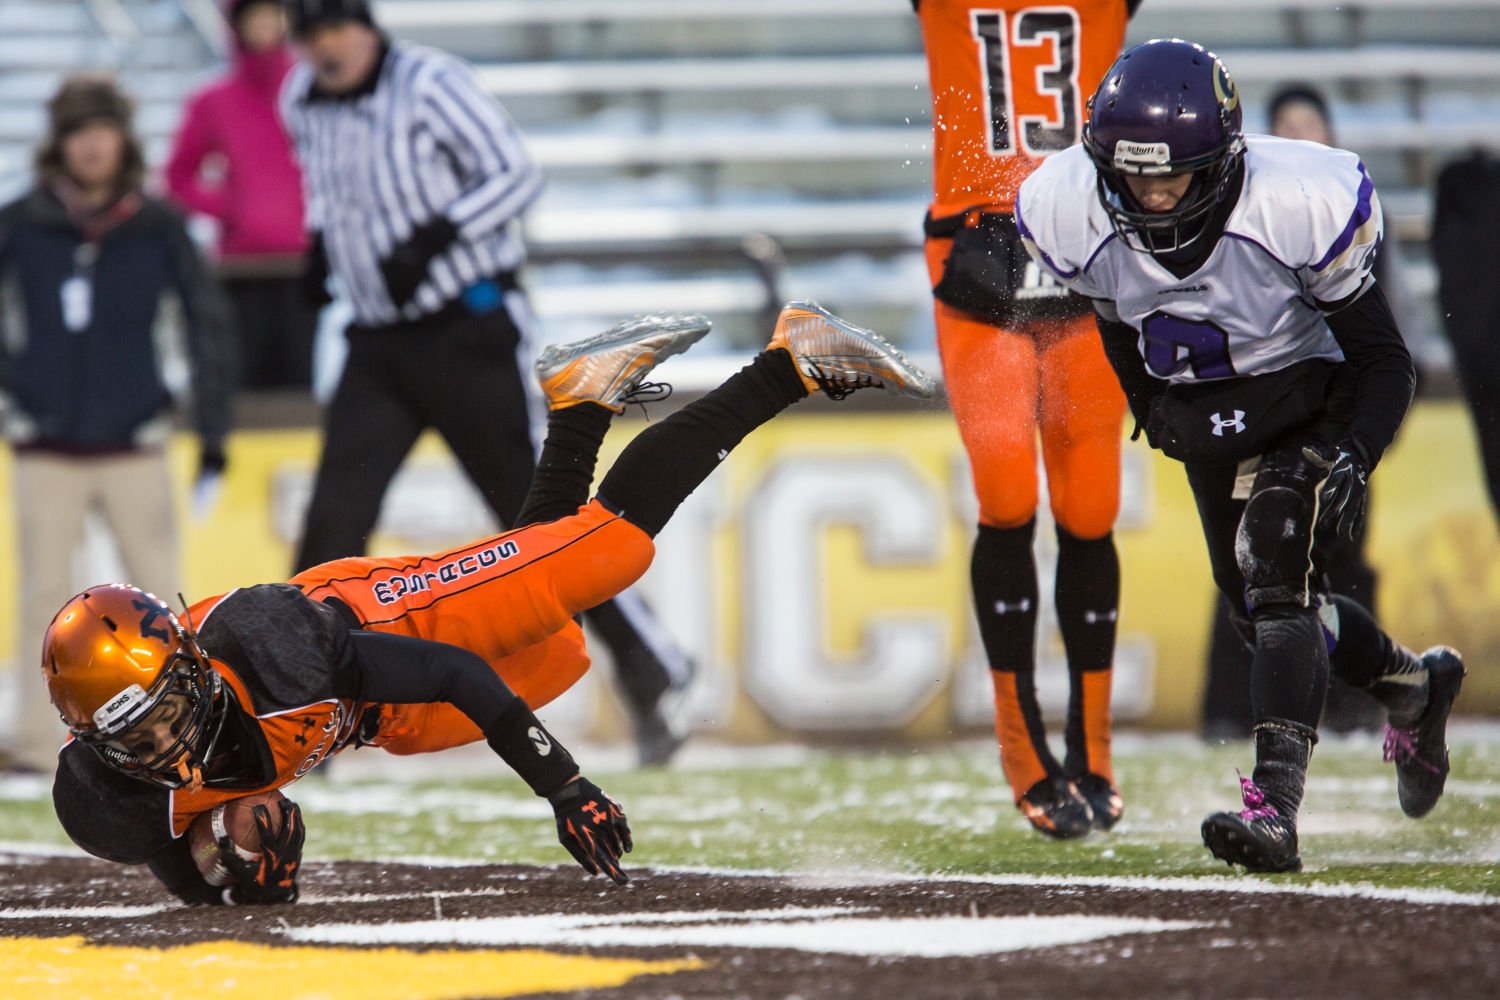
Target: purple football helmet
<point>1166,106</point>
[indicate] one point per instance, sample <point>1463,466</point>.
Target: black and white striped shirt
<point>425,141</point>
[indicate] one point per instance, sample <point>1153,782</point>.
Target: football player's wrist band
<point>532,752</point>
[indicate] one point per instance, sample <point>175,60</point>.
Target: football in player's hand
<point>232,819</point>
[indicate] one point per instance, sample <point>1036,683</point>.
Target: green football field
<point>938,809</point>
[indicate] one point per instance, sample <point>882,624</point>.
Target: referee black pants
<point>458,374</point>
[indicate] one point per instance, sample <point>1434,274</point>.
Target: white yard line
<point>1245,885</point>
<point>83,912</point>
<point>821,930</point>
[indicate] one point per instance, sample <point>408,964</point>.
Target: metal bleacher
<point>673,129</point>
<point>670,129</point>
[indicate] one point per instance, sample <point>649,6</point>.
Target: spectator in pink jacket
<point>232,161</point>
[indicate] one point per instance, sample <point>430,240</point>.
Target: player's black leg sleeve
<point>1003,574</point>
<point>1273,548</point>
<point>1363,656</point>
<point>565,471</point>
<point>1289,675</point>
<point>1088,598</point>
<point>667,461</point>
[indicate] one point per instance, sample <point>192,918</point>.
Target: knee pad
<point>1274,546</point>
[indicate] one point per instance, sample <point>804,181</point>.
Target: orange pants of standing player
<point>511,598</point>
<point>1006,388</point>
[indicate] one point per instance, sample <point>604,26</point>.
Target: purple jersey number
<point>1174,344</point>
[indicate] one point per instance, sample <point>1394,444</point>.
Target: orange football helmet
<point>111,656</point>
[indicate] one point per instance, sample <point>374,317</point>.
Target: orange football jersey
<point>1010,84</point>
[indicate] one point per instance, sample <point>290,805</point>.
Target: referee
<point>414,179</point>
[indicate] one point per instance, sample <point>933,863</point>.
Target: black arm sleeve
<point>401,670</point>
<point>173,867</point>
<point>1141,387</point>
<point>1385,377</point>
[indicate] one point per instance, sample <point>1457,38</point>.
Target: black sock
<point>1365,657</point>
<point>1289,674</point>
<point>667,461</point>
<point>565,471</point>
<point>1003,574</point>
<point>1088,598</point>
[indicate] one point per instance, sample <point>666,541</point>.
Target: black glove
<point>1342,498</point>
<point>592,826</point>
<point>314,280</point>
<point>272,878</point>
<point>406,268</point>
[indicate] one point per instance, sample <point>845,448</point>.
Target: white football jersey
<point>1305,230</point>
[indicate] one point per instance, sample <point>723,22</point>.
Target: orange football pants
<point>511,598</point>
<point>1005,386</point>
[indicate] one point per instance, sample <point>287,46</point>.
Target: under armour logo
<point>1095,617</point>
<point>1238,423</point>
<point>539,740</point>
<point>1006,607</point>
<point>595,813</point>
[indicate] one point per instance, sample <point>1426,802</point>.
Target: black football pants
<point>458,375</point>
<point>1267,559</point>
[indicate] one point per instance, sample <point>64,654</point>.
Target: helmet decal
<point>1224,89</point>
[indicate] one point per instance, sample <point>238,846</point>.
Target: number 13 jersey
<point>1300,240</point>
<point>1009,84</point>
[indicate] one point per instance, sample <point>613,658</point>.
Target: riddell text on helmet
<point>391,590</point>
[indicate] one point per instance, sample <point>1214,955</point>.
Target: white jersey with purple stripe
<point>1302,237</point>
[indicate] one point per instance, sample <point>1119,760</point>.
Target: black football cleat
<point>1055,807</point>
<point>1257,837</point>
<point>1420,752</point>
<point>1260,844</point>
<point>1104,800</point>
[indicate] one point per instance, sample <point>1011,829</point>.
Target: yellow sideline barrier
<point>821,576</point>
